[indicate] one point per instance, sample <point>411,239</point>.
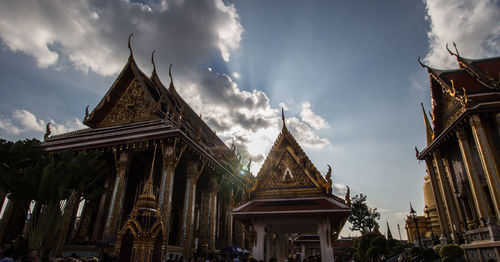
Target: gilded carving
<point>133,106</point>
<point>288,174</point>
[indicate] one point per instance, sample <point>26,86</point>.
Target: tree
<point>362,218</point>
<point>27,173</point>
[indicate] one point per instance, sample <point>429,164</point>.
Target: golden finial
<point>86,113</point>
<point>129,46</point>
<point>170,74</point>
<point>416,152</point>
<point>456,49</point>
<point>47,132</point>
<point>453,91</point>
<point>283,117</point>
<point>465,99</point>
<point>348,196</point>
<point>153,61</point>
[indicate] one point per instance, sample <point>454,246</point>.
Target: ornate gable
<point>287,172</point>
<point>132,98</point>
<point>135,105</point>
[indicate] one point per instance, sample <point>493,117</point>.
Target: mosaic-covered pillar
<point>443,222</point>
<point>447,194</point>
<point>117,197</point>
<point>171,154</point>
<point>193,173</point>
<point>229,231</point>
<point>214,191</point>
<point>488,162</point>
<point>472,176</point>
<point>460,217</point>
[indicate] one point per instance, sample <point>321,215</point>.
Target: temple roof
<point>297,207</point>
<point>288,172</point>
<point>471,88</point>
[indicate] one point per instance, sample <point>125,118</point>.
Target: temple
<point>288,198</point>
<point>173,187</point>
<point>149,136</point>
<point>462,155</point>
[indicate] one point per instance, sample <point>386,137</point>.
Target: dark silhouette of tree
<point>56,182</point>
<point>362,218</point>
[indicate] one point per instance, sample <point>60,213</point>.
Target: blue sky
<point>346,73</point>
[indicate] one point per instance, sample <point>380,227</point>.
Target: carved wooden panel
<point>288,174</point>
<point>133,106</point>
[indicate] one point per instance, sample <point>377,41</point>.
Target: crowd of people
<point>32,256</point>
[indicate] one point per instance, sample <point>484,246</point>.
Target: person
<point>170,258</point>
<point>31,256</point>
<point>7,256</point>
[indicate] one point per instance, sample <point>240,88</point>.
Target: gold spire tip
<point>130,46</point>
<point>153,61</point>
<point>283,117</point>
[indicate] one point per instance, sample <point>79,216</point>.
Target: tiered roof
<point>473,87</point>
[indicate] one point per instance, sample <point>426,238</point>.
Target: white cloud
<point>473,25</point>
<point>23,121</point>
<point>92,34</point>
<point>308,116</point>
<point>306,136</point>
<point>236,75</point>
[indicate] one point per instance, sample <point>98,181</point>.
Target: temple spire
<point>283,117</point>
<point>153,62</point>
<point>130,46</point>
<point>148,186</point>
<point>428,129</point>
<point>389,233</point>
<point>171,86</point>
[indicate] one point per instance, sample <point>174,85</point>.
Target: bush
<point>374,252</point>
<point>415,251</point>
<point>429,254</point>
<point>447,259</point>
<point>451,250</point>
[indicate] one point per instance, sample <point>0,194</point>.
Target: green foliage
<point>370,245</point>
<point>447,259</point>
<point>429,254</point>
<point>362,218</point>
<point>28,173</point>
<point>452,251</point>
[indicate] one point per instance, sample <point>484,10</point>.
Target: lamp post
<point>427,213</point>
<point>413,215</point>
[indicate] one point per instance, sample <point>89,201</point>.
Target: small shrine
<point>143,235</point>
<point>288,197</point>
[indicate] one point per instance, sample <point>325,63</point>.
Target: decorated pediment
<point>132,98</point>
<point>134,105</point>
<point>288,174</point>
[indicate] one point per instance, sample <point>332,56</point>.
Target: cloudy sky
<point>345,72</point>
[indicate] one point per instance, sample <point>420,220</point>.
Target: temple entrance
<point>290,197</point>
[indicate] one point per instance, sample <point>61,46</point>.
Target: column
<point>193,173</point>
<point>461,219</point>
<point>448,194</point>
<point>497,121</point>
<point>98,221</point>
<point>171,154</point>
<point>487,156</point>
<point>443,223</point>
<point>214,191</point>
<point>258,248</point>
<point>302,251</point>
<point>324,239</point>
<point>473,177</point>
<point>229,231</point>
<point>116,205</point>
